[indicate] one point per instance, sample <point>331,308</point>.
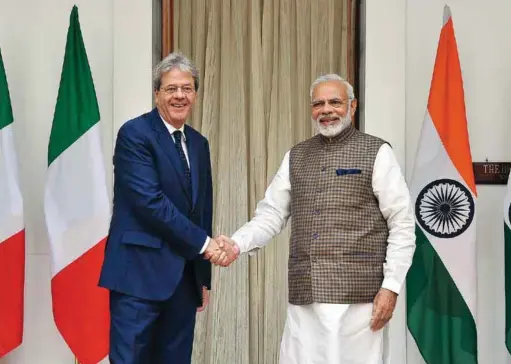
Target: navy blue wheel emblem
<point>445,208</point>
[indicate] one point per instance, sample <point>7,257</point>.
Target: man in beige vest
<point>352,234</point>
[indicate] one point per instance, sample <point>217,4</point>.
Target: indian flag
<point>441,283</point>
<point>12,232</point>
<point>77,207</point>
<point>507,258</point>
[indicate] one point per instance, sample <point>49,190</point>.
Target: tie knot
<point>177,135</point>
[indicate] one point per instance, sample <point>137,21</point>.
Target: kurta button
<point>319,190</point>
<point>314,260</point>
<point>316,212</point>
<point>323,168</point>
<point>315,235</point>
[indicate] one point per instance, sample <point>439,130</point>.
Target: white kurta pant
<point>330,334</point>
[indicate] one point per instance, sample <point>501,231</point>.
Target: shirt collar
<point>171,129</point>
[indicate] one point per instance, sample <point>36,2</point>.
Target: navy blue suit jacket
<point>157,222</point>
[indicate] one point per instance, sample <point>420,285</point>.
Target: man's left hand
<point>205,299</point>
<point>383,307</point>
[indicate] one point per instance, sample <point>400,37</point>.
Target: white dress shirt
<point>171,130</point>
<point>389,187</point>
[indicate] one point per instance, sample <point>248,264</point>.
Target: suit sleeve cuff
<point>205,245</point>
<point>392,285</point>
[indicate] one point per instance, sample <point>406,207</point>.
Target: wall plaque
<point>491,173</point>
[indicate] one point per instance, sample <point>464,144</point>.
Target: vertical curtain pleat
<point>280,139</point>
<point>341,32</point>
<point>199,28</point>
<point>257,130</point>
<point>256,59</point>
<point>302,126</point>
<point>209,99</point>
<point>176,22</point>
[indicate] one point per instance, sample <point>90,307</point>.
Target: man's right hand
<point>230,247</point>
<point>215,252</point>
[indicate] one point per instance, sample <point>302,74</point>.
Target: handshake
<point>222,251</point>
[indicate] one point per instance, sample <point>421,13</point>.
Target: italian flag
<point>76,207</point>
<point>507,258</point>
<point>441,283</point>
<point>12,232</point>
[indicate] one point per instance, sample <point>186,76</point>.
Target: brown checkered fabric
<point>338,234</point>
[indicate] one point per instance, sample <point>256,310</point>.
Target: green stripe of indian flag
<point>441,283</point>
<point>507,257</point>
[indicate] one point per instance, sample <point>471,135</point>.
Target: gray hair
<point>333,77</point>
<point>172,61</point>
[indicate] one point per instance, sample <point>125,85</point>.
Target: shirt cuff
<point>238,239</point>
<point>239,242</point>
<point>392,285</point>
<point>205,245</point>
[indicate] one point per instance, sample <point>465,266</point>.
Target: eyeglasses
<point>335,103</point>
<point>171,90</point>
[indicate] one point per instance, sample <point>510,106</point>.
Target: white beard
<point>332,130</point>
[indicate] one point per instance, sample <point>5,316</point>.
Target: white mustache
<point>321,117</point>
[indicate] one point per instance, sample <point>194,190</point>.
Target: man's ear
<point>353,107</point>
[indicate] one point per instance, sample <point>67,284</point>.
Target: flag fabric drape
<point>441,283</point>
<point>77,207</point>
<point>12,231</point>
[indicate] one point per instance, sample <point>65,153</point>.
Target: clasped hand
<point>221,251</point>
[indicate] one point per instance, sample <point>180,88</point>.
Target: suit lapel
<point>167,144</point>
<point>192,143</point>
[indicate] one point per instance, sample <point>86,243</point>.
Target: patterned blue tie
<point>180,151</point>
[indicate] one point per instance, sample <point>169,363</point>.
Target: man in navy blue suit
<point>156,259</point>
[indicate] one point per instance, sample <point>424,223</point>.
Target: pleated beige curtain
<point>257,59</point>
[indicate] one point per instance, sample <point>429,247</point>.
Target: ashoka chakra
<point>445,208</point>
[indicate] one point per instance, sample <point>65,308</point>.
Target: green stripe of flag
<point>77,107</point>
<point>438,317</point>
<point>6,117</point>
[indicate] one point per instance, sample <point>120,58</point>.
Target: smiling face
<point>175,97</point>
<point>332,111</point>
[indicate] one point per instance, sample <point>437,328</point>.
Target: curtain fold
<point>257,59</point>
